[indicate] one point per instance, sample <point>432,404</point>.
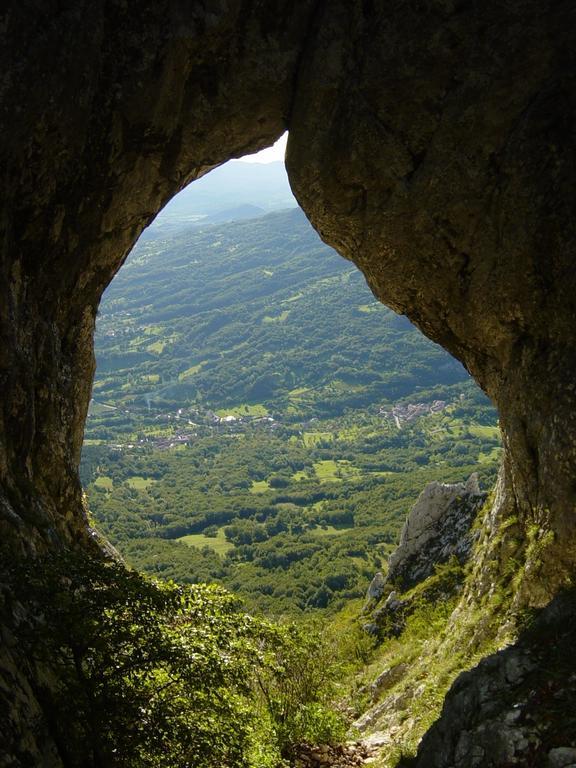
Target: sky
<point>270,154</point>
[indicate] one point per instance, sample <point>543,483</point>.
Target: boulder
<point>437,528</point>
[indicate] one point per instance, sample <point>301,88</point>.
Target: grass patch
<point>140,483</point>
<point>104,482</point>
<point>292,298</point>
<point>259,486</point>
<point>218,543</point>
<point>491,456</point>
<point>343,386</point>
<point>190,371</point>
<point>480,430</point>
<point>158,431</point>
<point>327,471</point>
<point>157,348</point>
<point>313,438</point>
<point>298,392</point>
<point>276,318</point>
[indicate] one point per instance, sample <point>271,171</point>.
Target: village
<point>167,430</point>
<point>405,412</point>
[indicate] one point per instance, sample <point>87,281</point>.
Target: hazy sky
<point>269,155</point>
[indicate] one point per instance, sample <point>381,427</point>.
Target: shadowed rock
<point>433,144</point>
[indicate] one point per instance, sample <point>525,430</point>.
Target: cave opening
<point>251,394</point>
<point>435,149</point>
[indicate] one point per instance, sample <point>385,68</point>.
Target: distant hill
<point>259,312</point>
<point>239,212</point>
<point>226,193</point>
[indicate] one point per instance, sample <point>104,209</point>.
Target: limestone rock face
<point>433,144</point>
<point>437,527</point>
<point>506,711</point>
<point>376,587</point>
<point>107,111</point>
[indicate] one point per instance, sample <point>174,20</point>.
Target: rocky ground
<point>353,753</point>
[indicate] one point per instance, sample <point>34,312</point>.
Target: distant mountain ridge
<point>233,191</point>
<point>238,213</point>
<point>258,311</point>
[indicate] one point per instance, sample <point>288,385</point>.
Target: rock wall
<point>517,706</point>
<point>108,109</point>
<point>437,528</point>
<point>432,143</point>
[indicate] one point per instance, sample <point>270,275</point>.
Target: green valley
<point>261,421</point>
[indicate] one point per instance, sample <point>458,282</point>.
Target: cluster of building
<point>405,412</point>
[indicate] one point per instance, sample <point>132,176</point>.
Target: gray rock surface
<point>562,757</point>
<point>432,144</point>
<point>388,678</point>
<point>432,147</point>
<point>376,588</point>
<point>506,710</point>
<point>437,528</point>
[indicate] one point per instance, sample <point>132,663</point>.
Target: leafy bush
<point>147,675</point>
<point>136,674</point>
<point>296,686</point>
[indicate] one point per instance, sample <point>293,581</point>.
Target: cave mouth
<point>434,149</point>
<point>442,182</point>
<point>235,323</point>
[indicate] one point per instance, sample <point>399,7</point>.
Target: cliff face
<point>516,707</point>
<point>107,112</point>
<point>433,148</point>
<point>437,529</point>
<point>432,144</point>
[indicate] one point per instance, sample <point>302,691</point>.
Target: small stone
<point>376,588</point>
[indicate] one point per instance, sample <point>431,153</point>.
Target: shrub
<point>296,686</point>
<point>136,674</point>
<point>146,675</point>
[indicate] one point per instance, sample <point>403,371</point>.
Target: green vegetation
<point>260,422</point>
<point>104,482</point>
<point>218,543</point>
<point>192,322</point>
<point>423,646</point>
<point>263,455</point>
<point>255,409</point>
<point>271,494</point>
<point>161,675</point>
<point>311,439</point>
<point>139,483</point>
